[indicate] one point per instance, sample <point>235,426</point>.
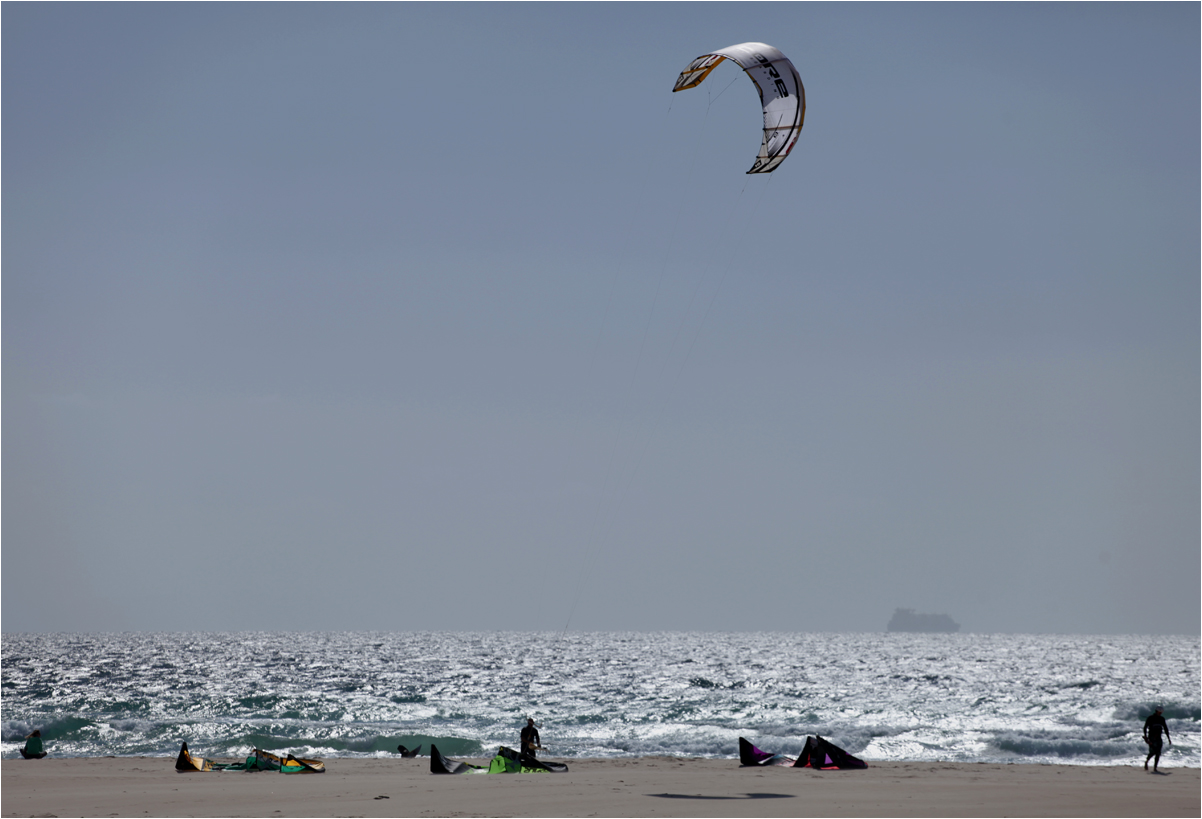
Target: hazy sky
<point>408,317</point>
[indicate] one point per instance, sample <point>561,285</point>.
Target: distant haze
<point>453,316</point>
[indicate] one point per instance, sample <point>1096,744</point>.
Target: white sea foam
<point>964,697</point>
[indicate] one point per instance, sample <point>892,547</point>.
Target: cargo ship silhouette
<point>909,620</point>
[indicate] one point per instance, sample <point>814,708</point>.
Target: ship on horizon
<point>909,620</point>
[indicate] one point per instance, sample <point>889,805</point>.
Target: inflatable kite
<point>781,94</point>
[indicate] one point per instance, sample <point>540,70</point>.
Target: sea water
<point>1075,700</point>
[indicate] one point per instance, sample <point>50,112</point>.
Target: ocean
<point>1078,700</point>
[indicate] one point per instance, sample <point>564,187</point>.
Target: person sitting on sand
<point>1153,725</point>
<point>530,739</point>
<point>33,746</point>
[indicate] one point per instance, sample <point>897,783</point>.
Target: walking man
<point>1152,728</point>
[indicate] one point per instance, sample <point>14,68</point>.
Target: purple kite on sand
<point>817,753</point>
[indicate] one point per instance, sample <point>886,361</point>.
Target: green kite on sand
<point>506,761</point>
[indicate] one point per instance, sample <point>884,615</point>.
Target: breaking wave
<point>958,697</point>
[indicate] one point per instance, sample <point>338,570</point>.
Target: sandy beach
<point>648,786</point>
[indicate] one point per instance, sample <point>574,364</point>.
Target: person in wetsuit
<point>1153,725</point>
<point>530,739</point>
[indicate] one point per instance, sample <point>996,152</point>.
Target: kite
<point>781,93</point>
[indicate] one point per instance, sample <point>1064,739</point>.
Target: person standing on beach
<point>531,741</point>
<point>1153,725</point>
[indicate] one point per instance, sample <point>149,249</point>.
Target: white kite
<point>781,93</point>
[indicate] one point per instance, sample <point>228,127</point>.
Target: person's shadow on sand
<point>702,796</point>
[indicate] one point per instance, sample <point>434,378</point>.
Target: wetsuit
<point>1153,726</point>
<point>530,740</point>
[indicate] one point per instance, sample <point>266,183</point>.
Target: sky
<point>454,317</point>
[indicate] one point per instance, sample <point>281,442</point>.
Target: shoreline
<point>637,786</point>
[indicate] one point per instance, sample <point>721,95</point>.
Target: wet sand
<point>648,786</point>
